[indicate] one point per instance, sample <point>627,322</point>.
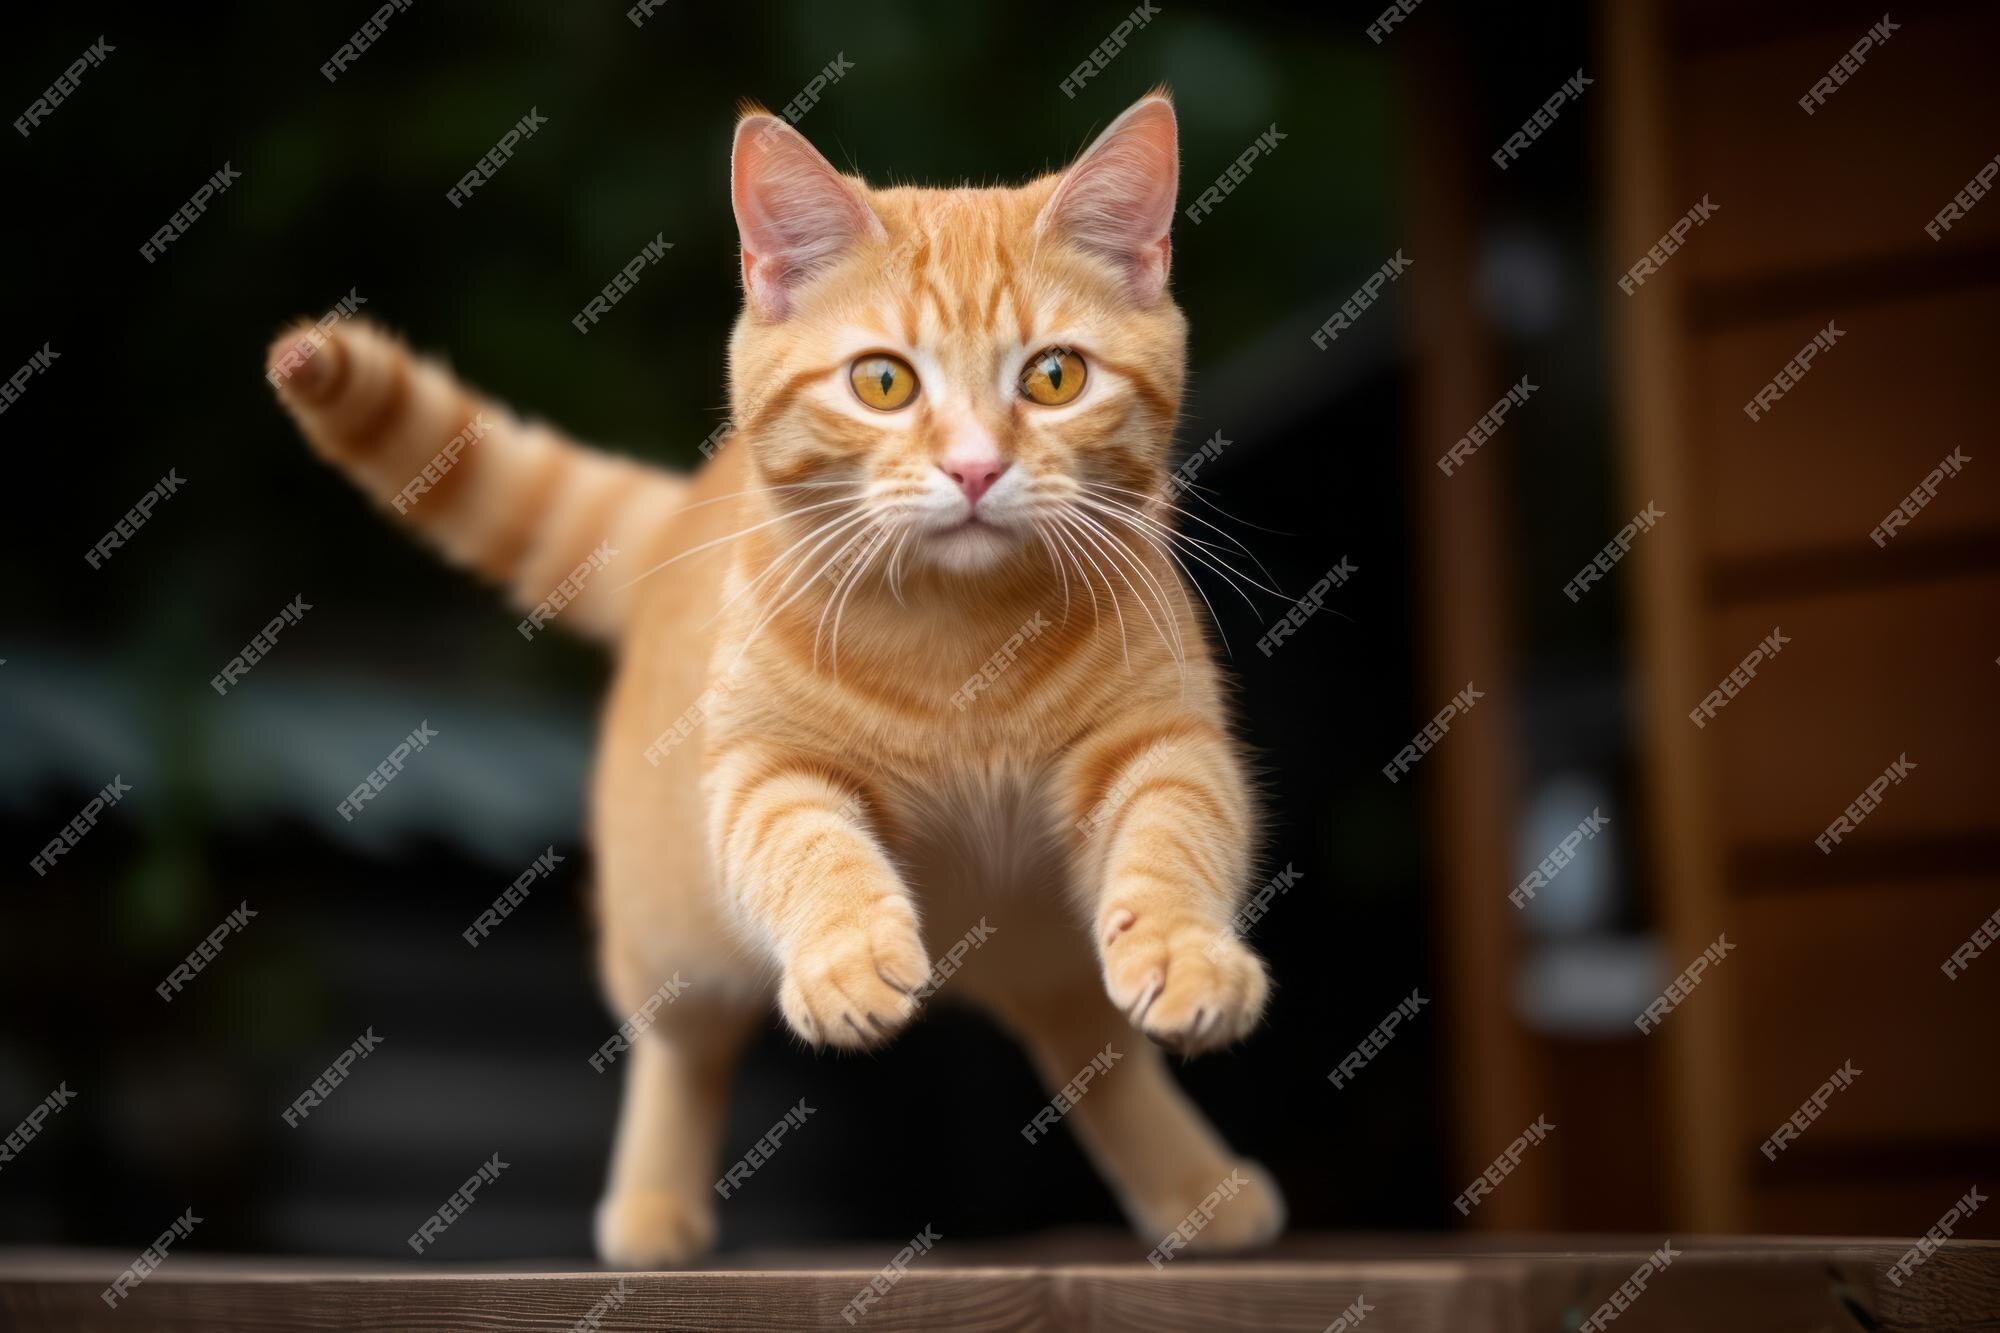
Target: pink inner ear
<point>1117,201</point>
<point>794,213</point>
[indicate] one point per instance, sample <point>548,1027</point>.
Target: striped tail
<point>513,501</point>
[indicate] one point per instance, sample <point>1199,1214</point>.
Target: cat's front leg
<point>1162,834</point>
<point>806,872</point>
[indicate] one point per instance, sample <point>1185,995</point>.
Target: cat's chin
<point>972,548</point>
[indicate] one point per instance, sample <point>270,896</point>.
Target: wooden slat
<point>1792,189</point>
<point>1906,383</point>
<point>1867,677</point>
<point>1669,630</point>
<point>1854,974</point>
<point>1498,1085</point>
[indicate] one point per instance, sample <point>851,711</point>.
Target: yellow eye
<point>1053,377</point>
<point>882,381</point>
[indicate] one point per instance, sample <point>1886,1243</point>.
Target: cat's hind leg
<point>659,1202</point>
<point>1163,1160</point>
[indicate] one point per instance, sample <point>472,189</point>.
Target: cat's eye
<point>882,381</point>
<point>1053,376</point>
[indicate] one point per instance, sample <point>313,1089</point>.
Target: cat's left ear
<point>1117,201</point>
<point>796,214</point>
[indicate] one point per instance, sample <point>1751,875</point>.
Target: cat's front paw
<point>852,982</point>
<point>1183,980</point>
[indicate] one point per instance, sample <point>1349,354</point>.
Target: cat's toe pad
<point>851,985</point>
<point>1181,979</point>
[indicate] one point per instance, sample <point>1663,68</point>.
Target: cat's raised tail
<point>553,522</point>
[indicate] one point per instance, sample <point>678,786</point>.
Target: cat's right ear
<point>795,214</point>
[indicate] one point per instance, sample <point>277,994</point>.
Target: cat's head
<point>957,373</point>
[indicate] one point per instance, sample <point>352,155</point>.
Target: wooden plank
<point>1412,1285</point>
<point>1919,112</point>
<point>1867,677</point>
<point>1670,672</point>
<point>1906,384</point>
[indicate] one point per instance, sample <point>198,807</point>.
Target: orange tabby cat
<point>911,654</point>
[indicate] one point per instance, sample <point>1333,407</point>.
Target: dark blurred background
<point>1330,455</point>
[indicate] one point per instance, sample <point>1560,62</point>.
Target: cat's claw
<point>852,984</point>
<point>1184,981</point>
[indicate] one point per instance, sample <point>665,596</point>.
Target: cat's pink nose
<point>975,476</point>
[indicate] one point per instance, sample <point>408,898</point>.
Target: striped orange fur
<point>886,675</point>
